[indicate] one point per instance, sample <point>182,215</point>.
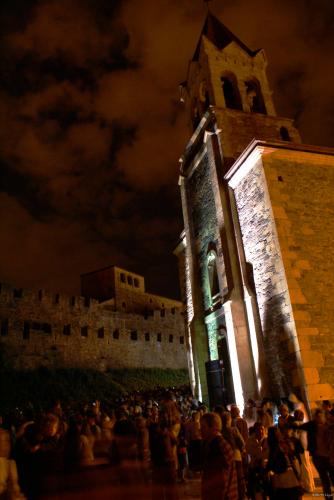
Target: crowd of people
<point>150,442</point>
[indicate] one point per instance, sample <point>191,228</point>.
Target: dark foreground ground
<point>98,483</point>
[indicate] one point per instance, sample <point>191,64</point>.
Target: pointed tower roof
<point>219,35</point>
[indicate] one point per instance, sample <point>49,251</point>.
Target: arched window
<point>254,97</point>
<point>213,275</point>
<point>231,91</point>
<point>284,133</point>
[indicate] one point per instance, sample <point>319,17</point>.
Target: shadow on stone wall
<point>280,358</point>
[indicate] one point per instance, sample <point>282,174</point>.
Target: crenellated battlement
<point>44,328</point>
<point>11,293</point>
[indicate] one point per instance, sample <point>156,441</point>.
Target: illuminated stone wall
<point>285,204</point>
<point>268,208</point>
<point>301,185</point>
<point>204,220</point>
<point>262,252</point>
<point>98,337</point>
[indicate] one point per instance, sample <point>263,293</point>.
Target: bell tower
<point>229,104</point>
<point>258,210</point>
<point>226,74</point>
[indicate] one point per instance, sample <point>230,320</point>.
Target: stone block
<point>307,331</point>
<point>293,284</point>
<point>312,359</point>
<point>287,254</point>
<point>307,231</point>
<point>295,273</point>
<point>297,297</point>
<point>301,315</point>
<point>303,264</point>
<point>318,392</point>
<point>279,212</point>
<point>311,376</point>
<point>304,343</point>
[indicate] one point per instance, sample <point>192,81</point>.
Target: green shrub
<point>43,386</point>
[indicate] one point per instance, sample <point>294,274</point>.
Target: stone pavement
<point>98,483</point>
<point>191,490</point>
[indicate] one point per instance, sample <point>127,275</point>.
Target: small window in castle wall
<point>147,336</point>
<point>84,331</point>
<point>56,298</point>
<point>115,334</point>
<point>47,328</point>
<point>67,330</point>
<point>284,134</point>
<point>129,280</point>
<point>136,282</point>
<point>173,310</point>
<point>170,339</point>
<point>40,295</point>
<point>124,305</point>
<point>87,301</point>
<point>26,330</point>
<point>100,333</point>
<point>134,335</point>
<point>18,293</point>
<point>36,326</point>
<point>72,301</point>
<point>158,337</point>
<point>162,313</point>
<point>4,327</point>
<point>123,279</point>
<point>181,340</point>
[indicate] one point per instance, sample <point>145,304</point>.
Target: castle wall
<point>39,328</point>
<point>143,303</point>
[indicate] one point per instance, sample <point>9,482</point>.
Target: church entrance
<point>224,356</point>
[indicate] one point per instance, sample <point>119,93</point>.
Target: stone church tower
<point>256,255</point>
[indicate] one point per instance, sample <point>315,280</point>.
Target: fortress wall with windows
<point>40,328</point>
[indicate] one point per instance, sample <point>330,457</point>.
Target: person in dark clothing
<point>219,478</point>
<point>181,454</point>
<point>164,477</point>
<point>24,454</point>
<point>319,446</point>
<point>284,464</point>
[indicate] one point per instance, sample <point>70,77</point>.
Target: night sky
<point>92,129</point>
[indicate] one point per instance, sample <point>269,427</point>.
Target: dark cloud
<point>93,130</point>
<point>23,188</point>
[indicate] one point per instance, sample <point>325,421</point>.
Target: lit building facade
<point>256,255</point>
